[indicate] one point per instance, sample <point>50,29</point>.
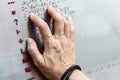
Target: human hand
<point>59,52</point>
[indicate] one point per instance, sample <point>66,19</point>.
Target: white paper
<point>97,36</point>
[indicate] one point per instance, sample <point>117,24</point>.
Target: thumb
<point>37,57</point>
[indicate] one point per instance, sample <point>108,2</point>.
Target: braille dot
<point>23,52</point>
<point>28,69</point>
<point>20,41</point>
<point>25,60</point>
<point>8,2</point>
<point>31,78</point>
<point>13,12</point>
<point>16,21</point>
<point>11,2</point>
<point>17,31</point>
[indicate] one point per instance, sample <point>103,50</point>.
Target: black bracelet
<point>69,71</point>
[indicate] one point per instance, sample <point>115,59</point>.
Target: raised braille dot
<point>28,69</point>
<point>25,60</point>
<point>20,41</point>
<point>13,12</point>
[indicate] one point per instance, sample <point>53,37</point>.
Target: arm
<point>59,52</point>
<point>78,75</point>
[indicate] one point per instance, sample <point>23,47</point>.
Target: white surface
<point>97,26</point>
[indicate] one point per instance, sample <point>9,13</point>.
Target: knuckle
<point>72,29</point>
<point>31,48</point>
<point>73,32</point>
<point>55,45</point>
<point>44,26</point>
<point>37,18</point>
<point>71,23</point>
<point>72,40</point>
<point>51,43</point>
<point>72,35</point>
<point>67,23</point>
<point>36,63</point>
<point>60,20</point>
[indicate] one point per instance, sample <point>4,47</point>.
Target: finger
<point>72,31</point>
<point>43,27</point>
<point>67,28</point>
<point>59,21</point>
<point>34,53</point>
<point>57,10</point>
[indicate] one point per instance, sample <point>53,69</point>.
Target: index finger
<point>43,27</point>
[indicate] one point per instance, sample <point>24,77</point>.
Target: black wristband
<point>69,71</point>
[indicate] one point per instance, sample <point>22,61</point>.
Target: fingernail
<point>29,40</point>
<point>32,15</point>
<point>49,6</point>
<point>69,17</point>
<point>58,10</point>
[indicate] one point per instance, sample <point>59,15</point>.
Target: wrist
<point>78,75</point>
<point>69,72</point>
